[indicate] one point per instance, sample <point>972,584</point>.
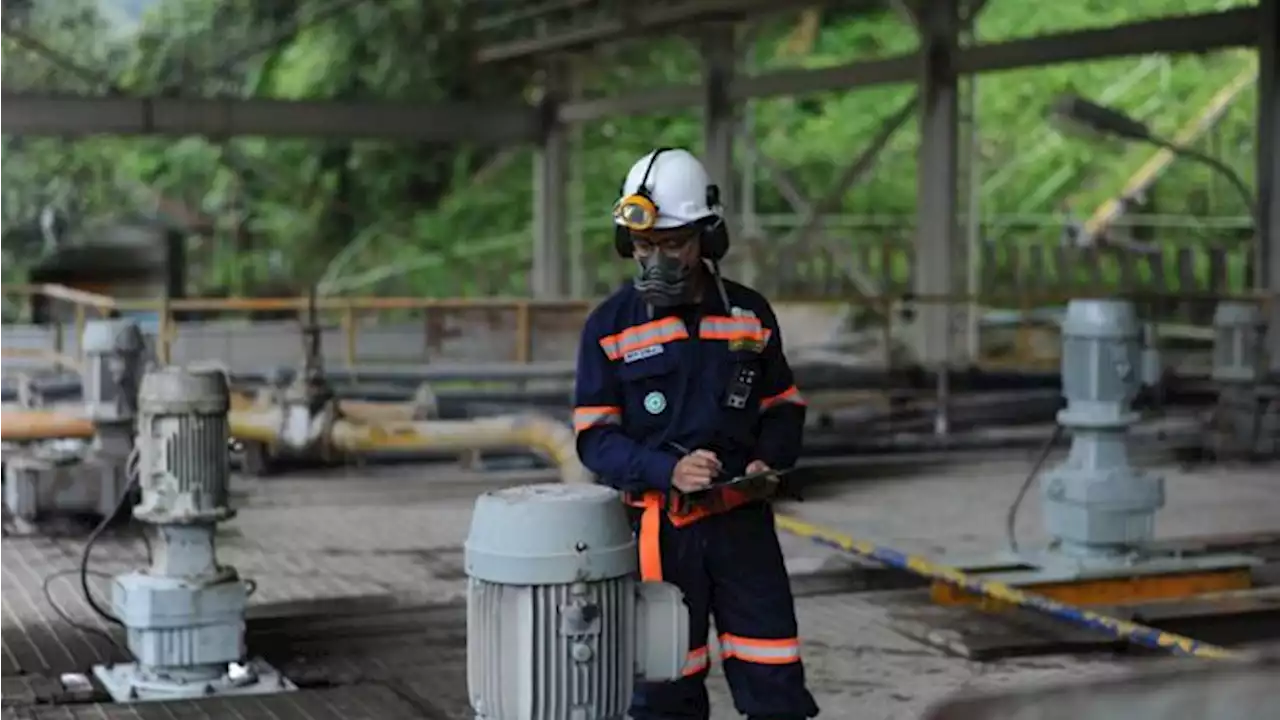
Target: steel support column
<point>1268,168</point>
<point>935,247</point>
<point>551,186</point>
<point>577,204</point>
<point>719,65</point>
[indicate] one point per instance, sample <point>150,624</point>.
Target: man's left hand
<point>758,466</point>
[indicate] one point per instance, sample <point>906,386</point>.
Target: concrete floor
<point>391,535</point>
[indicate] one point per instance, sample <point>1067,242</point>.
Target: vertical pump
<point>185,613</point>
<point>1245,423</point>
<point>115,359</point>
<point>1096,506</point>
<point>60,477</point>
<point>1099,511</point>
<point>558,625</point>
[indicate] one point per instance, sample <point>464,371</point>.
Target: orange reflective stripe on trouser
<point>650,532</point>
<point>698,660</point>
<point>759,650</point>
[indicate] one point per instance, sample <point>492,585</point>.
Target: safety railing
<point>1018,331</point>
<point>849,253</point>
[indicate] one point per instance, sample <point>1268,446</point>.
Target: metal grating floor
<point>357,702</point>
<point>359,581</point>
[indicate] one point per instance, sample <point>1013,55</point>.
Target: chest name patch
<point>642,353</point>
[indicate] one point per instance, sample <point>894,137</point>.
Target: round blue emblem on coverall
<point>655,402</point>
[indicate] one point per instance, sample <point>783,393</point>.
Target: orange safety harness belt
<point>652,504</point>
<point>650,530</point>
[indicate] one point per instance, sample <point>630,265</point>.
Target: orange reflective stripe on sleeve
<point>587,417</point>
<point>650,532</point>
<point>639,337</point>
<point>698,660</point>
<point>760,651</point>
<point>719,327</point>
<point>791,395</point>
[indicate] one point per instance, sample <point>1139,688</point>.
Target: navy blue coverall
<point>649,388</point>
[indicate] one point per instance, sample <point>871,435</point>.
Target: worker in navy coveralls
<point>682,385</point>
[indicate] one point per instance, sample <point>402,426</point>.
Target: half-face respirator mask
<point>665,278</point>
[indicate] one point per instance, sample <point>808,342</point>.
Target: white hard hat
<point>675,183</point>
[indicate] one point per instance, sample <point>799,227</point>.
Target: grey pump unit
<point>558,625</point>
<point>184,614</point>
<point>1096,506</point>
<point>1246,421</point>
<point>1099,510</point>
<point>62,476</point>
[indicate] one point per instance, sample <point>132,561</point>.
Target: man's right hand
<point>695,471</point>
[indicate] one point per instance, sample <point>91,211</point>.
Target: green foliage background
<point>404,218</point>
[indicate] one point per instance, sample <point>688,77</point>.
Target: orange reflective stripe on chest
<point>639,337</point>
<point>721,327</point>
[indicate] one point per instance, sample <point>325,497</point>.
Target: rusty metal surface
<point>1198,691</point>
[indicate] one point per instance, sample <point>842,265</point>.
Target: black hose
<point>48,596</point>
<point>131,469</point>
<point>1011,517</point>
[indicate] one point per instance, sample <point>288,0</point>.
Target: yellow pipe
<point>361,411</point>
<point>542,435</point>
<point>255,425</point>
<point>29,425</point>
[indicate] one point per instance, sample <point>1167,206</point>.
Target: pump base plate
<point>1063,579</point>
<point>126,683</point>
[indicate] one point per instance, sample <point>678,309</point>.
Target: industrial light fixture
<point>1075,112</point>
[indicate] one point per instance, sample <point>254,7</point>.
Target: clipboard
<point>682,500</point>
<point>748,479</point>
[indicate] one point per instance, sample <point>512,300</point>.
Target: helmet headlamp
<point>636,212</point>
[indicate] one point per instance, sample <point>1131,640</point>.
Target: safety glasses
<point>668,242</point>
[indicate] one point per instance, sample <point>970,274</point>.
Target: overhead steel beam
<point>79,115</point>
<point>637,21</point>
<point>1175,35</point>
<point>1183,34</point>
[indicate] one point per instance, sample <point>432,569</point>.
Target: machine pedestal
<point>130,682</point>
<point>1099,581</point>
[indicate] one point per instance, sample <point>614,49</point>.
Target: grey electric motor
<point>558,625</point>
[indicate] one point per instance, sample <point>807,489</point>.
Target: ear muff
<point>715,234</point>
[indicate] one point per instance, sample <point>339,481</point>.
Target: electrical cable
<point>131,470</point>
<point>1011,516</point>
<point>66,617</point>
